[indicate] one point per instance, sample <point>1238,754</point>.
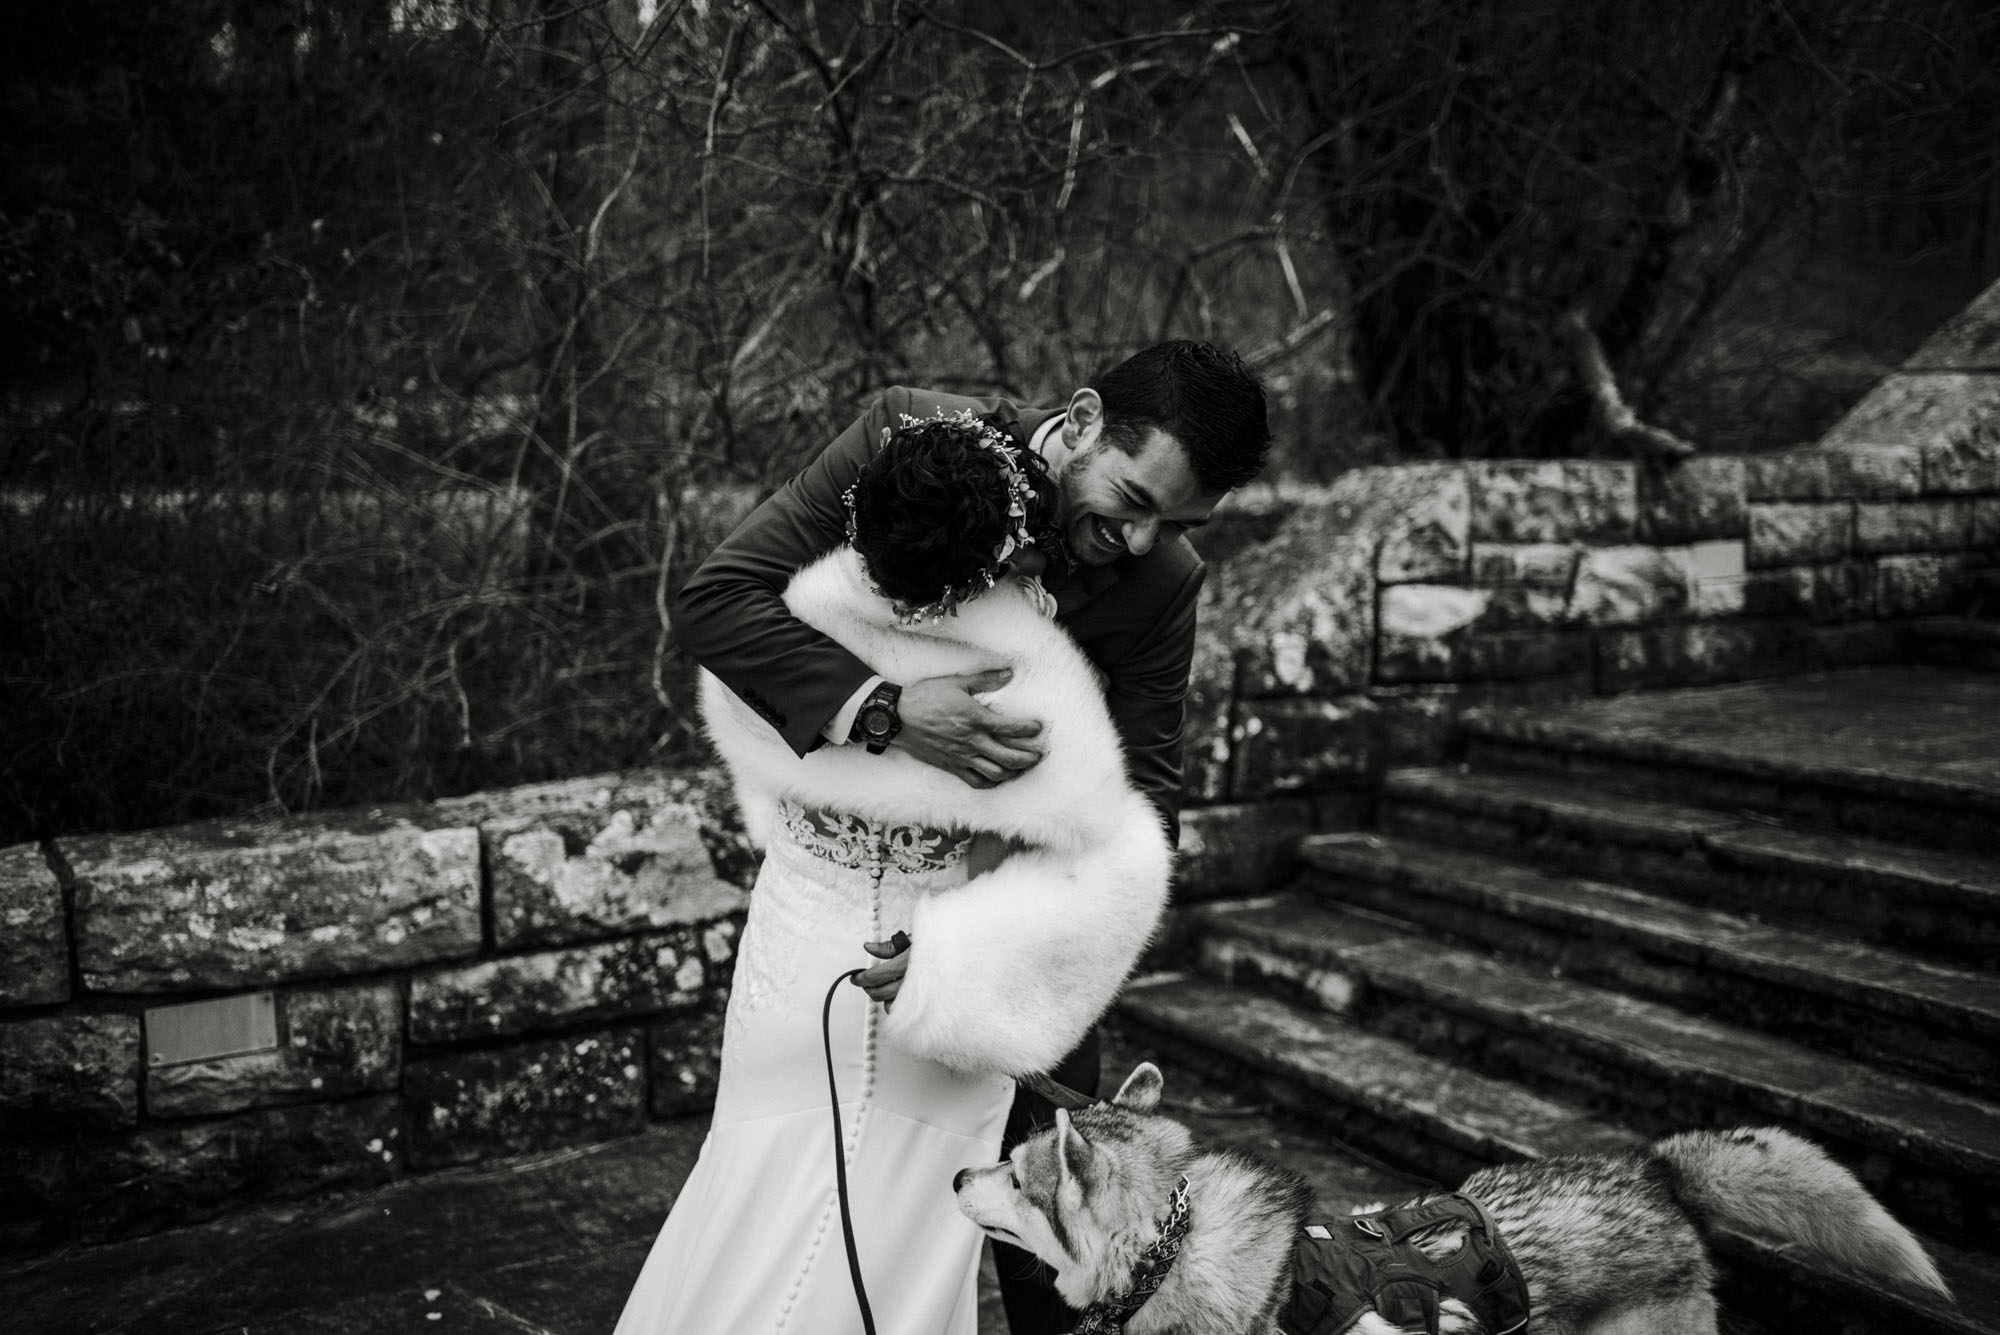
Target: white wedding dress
<point>753,1244</point>
<point>1007,973</point>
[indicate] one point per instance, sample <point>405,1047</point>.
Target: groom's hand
<point>945,727</point>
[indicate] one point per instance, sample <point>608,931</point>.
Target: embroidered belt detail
<point>851,841</point>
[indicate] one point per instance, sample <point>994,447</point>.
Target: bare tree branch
<point>1613,415</point>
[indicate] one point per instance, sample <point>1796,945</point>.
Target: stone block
<point>63,1072</point>
<point>36,1195</point>
<point>1315,636</point>
<point>1838,591</point>
<point>1538,565</point>
<point>1719,597</point>
<point>1422,626</point>
<point>599,856</point>
<point>1430,539</point>
<point>519,994</point>
<point>1715,574</point>
<point>333,1043</point>
<point>1557,500</point>
<point>468,1106</point>
<point>174,1173</point>
<point>1205,758</point>
<point>1301,607</point>
<point>1288,746</point>
<point>1690,500</point>
<point>1913,411</point>
<point>1694,653</point>
<point>1793,534</point>
<point>1243,849</point>
<point>1985,529</point>
<point>1420,720</point>
<point>1911,526</point>
<point>1962,468</point>
<point>1211,698</point>
<point>686,1057</point>
<point>1514,654</point>
<point>34,949</point>
<point>1439,632</point>
<point>1523,606</point>
<point>228,904</point>
<point>1969,341</point>
<point>1623,586</point>
<point>1821,473</point>
<point>1725,559</point>
<point>1921,584</point>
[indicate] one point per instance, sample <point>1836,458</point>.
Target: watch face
<point>875,722</point>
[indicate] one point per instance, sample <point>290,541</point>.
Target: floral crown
<point>1020,503</point>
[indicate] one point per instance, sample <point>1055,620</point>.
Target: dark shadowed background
<point>375,369</point>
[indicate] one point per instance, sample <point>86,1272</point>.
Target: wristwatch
<point>878,722</point>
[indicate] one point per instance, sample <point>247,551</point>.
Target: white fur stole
<point>1008,971</point>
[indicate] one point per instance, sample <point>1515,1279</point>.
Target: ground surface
<point>541,1245</point>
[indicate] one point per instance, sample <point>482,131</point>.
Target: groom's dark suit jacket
<point>1135,619</point>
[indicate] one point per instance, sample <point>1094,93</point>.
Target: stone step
<point>1442,1121</point>
<point>1910,754</point>
<point>1985,590</point>
<point>1931,1153</point>
<point>1939,904</point>
<point>1961,642</point>
<point>1932,1020</point>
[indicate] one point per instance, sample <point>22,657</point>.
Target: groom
<point>1140,455</point>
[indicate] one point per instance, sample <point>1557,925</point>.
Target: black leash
<point>840,1151</point>
<point>1056,1092</point>
<point>1059,1094</point>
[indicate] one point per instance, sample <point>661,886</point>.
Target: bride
<point>1009,966</point>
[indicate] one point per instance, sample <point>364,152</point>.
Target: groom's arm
<point>731,616</point>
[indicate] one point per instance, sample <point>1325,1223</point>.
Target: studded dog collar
<point>1148,1272</point>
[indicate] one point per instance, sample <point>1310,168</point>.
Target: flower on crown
<point>1020,506</point>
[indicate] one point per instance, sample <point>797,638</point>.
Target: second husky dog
<point>1606,1244</point>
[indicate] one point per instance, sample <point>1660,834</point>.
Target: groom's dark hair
<point>1201,395</point>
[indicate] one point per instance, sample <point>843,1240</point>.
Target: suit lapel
<point>1080,589</point>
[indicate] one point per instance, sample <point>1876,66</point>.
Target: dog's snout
<point>958,1179</point>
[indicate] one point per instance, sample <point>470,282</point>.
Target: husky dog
<point>1606,1244</point>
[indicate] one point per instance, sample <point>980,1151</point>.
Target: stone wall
<point>1399,597</point>
<point>444,983</point>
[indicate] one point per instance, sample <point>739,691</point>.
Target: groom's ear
<point>1083,422</point>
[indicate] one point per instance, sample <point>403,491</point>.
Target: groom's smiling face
<point>1114,504</point>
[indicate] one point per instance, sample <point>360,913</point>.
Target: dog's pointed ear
<point>1141,1090</point>
<point>1073,1152</point>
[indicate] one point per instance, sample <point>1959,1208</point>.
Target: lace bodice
<point>856,842</point>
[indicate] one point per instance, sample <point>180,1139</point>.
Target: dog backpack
<point>1371,1261</point>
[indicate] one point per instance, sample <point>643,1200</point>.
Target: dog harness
<point>1369,1261</point>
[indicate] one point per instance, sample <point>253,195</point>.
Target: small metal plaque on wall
<point>197,1031</point>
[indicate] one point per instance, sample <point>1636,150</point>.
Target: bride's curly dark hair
<point>931,509</point>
